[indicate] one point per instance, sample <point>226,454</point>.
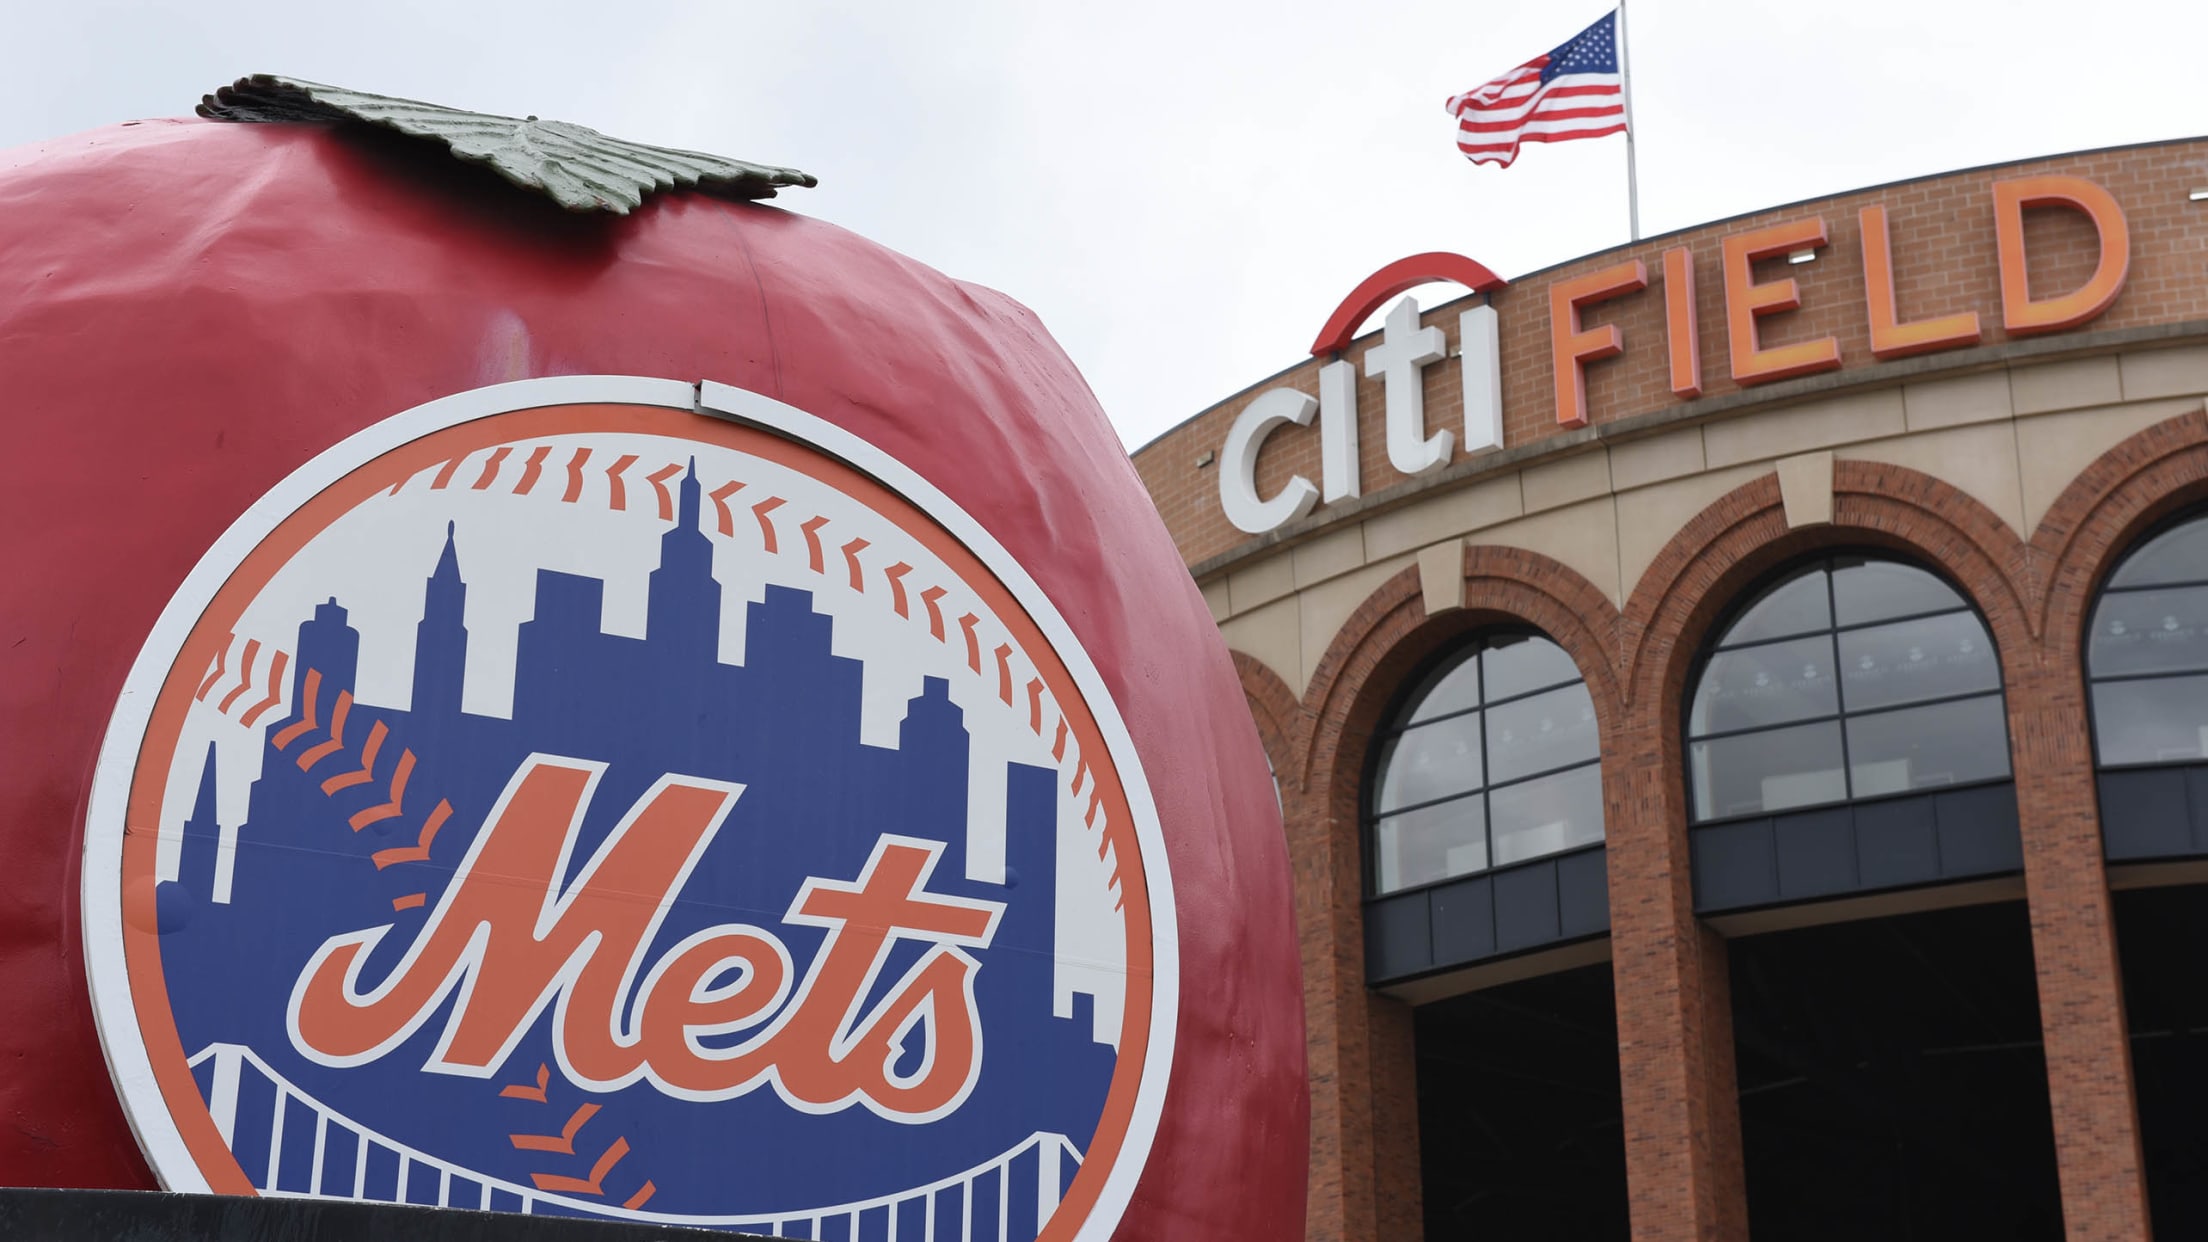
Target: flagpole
<point>1632,176</point>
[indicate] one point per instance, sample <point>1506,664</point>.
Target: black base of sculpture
<point>146,1216</point>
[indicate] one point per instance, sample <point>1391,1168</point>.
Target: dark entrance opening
<point>2162,936</point>
<point>1892,1080</point>
<point>1520,1128</point>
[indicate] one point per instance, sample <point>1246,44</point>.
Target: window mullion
<point>1774,727</point>
<point>1393,812</point>
<point>1507,700</point>
<point>1487,807</point>
<point>1891,709</point>
<point>1839,683</point>
<point>2187,584</point>
<point>2099,679</point>
<point>1903,619</point>
<point>1543,774</point>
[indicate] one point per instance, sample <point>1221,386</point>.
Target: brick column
<point>2081,987</point>
<point>1363,1068</point>
<point>1675,1018</point>
<point>1399,1206</point>
<point>1339,1201</point>
<point>2097,518</point>
<point>1365,1174</point>
<point>1363,1058</point>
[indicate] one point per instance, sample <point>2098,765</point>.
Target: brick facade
<point>1675,1030</point>
<point>2031,568</point>
<point>1673,1011</point>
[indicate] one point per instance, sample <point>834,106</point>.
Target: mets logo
<point>625,798</point>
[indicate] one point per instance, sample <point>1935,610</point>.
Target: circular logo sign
<point>558,799</point>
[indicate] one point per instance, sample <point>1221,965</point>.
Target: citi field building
<point>1740,709</point>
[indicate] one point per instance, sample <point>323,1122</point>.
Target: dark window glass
<point>1513,666</point>
<point>1911,661</point>
<point>1429,762</point>
<point>1953,743</point>
<point>1755,773</point>
<point>2179,554</point>
<point>1541,733</point>
<point>1452,690</point>
<point>2147,648</point>
<point>1898,689</point>
<point>1767,684</point>
<point>1797,605</point>
<point>1495,759</point>
<point>1867,590</point>
<point>2152,720</point>
<point>1547,815</point>
<point>2150,631</point>
<point>1430,844</point>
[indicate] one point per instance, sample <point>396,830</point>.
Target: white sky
<point>1183,190</point>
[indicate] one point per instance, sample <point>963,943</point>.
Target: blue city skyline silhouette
<point>785,723</point>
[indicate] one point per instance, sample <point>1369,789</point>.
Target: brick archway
<point>2101,515</point>
<point>1390,634</point>
<point>1363,1077</point>
<point>2096,520</point>
<point>1694,581</point>
<point>1700,574</point>
<point>1281,723</point>
<point>1673,986</point>
<point>1364,1089</point>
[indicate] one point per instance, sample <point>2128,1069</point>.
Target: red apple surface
<point>193,310</point>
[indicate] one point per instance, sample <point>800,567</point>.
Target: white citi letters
<point>1398,361</point>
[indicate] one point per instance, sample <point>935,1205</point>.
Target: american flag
<point>1573,92</point>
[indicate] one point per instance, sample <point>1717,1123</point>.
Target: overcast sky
<point>1183,189</point>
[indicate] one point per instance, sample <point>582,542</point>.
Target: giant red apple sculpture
<point>684,716</point>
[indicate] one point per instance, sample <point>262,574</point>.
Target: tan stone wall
<point>2011,438</point>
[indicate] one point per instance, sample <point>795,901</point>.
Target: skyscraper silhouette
<point>441,637</point>
<point>685,601</point>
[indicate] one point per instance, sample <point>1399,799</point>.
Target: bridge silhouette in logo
<point>1034,1172</point>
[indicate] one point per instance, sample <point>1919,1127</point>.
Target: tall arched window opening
<point>2146,654</point>
<point>1848,678</point>
<point>1483,811</point>
<point>2146,666</point>
<point>1493,759</point>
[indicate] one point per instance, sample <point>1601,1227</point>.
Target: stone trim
<point>1955,363</point>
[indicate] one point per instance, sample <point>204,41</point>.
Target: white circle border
<point>106,968</point>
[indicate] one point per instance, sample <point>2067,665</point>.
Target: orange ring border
<point>141,825</point>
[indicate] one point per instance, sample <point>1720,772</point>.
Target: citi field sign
<point>1406,349</point>
<point>622,798</point>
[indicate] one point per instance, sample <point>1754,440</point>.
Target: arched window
<point>1850,677</point>
<point>1493,759</point>
<point>2147,656</point>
